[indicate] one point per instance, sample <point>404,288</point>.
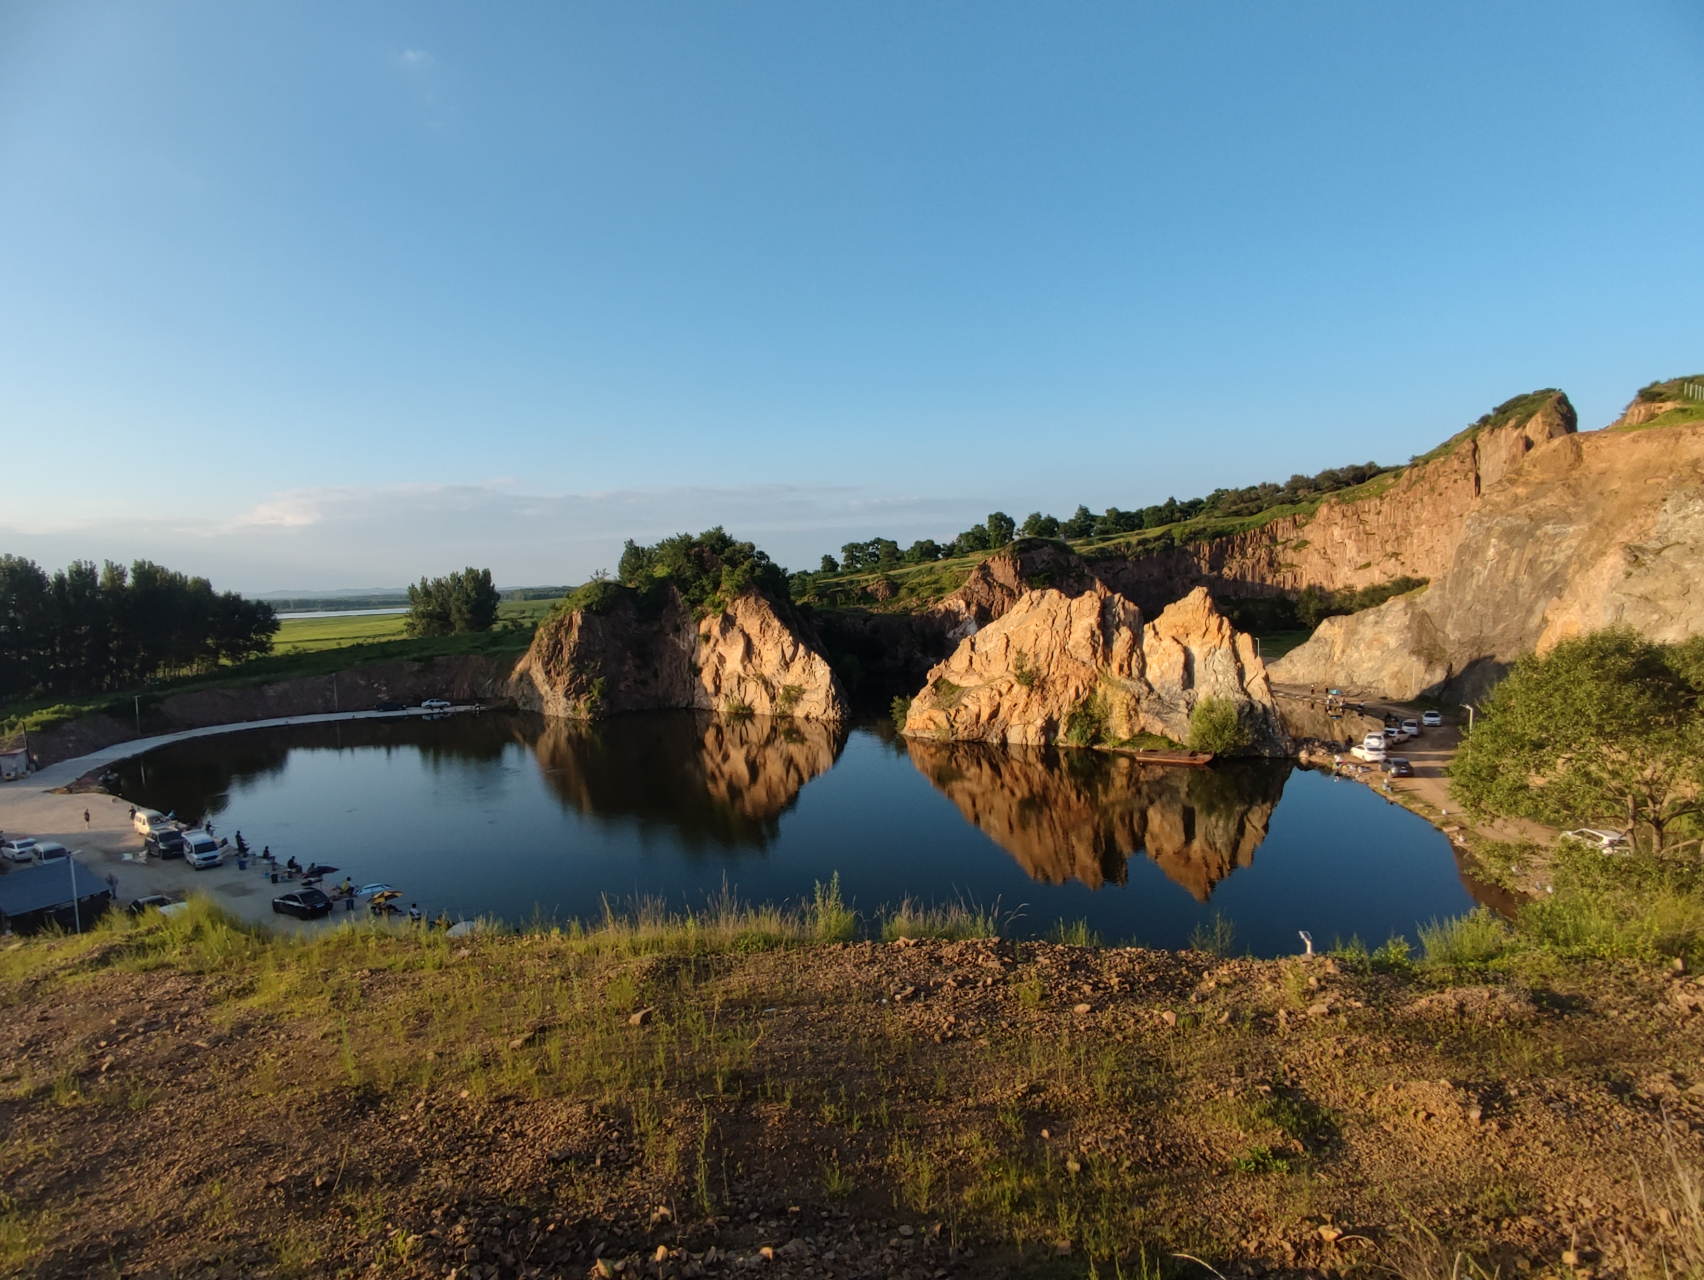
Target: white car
<point>1602,841</point>
<point>201,850</point>
<point>146,819</point>
<point>1411,728</point>
<point>434,704</point>
<point>1373,742</point>
<point>22,849</point>
<point>1394,733</point>
<point>1433,719</point>
<point>48,850</point>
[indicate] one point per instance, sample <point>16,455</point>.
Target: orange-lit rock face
<point>747,659</point>
<point>1083,815</point>
<point>1019,679</point>
<point>1586,530</point>
<point>724,780</point>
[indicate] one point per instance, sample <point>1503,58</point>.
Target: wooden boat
<point>1176,759</point>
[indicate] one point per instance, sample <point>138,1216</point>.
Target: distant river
<point>521,817</point>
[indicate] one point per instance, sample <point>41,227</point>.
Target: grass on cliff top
<point>1513,412</point>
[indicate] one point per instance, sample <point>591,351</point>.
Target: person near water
<point>442,922</point>
<point>86,819</point>
<point>415,915</point>
<point>347,888</point>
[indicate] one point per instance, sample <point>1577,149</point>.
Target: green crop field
<point>309,635</point>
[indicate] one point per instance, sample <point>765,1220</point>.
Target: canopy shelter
<point>62,892</point>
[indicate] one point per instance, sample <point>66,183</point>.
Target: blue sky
<point>306,296</point>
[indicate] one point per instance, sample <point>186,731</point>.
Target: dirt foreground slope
<point>194,1101</point>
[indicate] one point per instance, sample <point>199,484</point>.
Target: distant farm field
<point>308,635</point>
<point>312,635</point>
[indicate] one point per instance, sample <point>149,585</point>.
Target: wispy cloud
<point>359,536</point>
<point>416,60</point>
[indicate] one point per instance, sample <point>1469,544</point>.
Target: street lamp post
<point>1469,707</point>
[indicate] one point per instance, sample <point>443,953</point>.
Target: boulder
<point>1051,657</point>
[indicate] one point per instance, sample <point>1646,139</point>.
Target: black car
<point>137,907</point>
<point>389,706</point>
<point>165,844</point>
<point>1397,767</point>
<point>304,904</point>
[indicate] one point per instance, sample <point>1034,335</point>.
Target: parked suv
<point>201,850</point>
<point>166,842</point>
<point>1433,719</point>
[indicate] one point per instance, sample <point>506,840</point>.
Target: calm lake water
<point>518,816</point>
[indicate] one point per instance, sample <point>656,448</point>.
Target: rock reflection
<point>708,779</point>
<point>1083,815</point>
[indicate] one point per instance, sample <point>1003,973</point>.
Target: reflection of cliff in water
<point>1084,814</point>
<point>709,779</point>
<point>193,778</point>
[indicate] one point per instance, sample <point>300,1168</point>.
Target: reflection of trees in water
<point>194,778</point>
<point>1083,814</point>
<point>712,781</point>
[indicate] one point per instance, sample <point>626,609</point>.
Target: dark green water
<point>517,816</point>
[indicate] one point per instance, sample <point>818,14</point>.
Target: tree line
<point>1000,528</point>
<point>85,629</point>
<point>458,602</point>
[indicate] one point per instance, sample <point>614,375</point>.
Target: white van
<point>48,850</point>
<point>201,850</point>
<point>147,818</point>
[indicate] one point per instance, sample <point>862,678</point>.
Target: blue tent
<point>31,898</point>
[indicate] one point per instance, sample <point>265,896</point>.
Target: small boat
<point>1178,759</point>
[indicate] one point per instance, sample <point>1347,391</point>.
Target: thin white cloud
<point>416,60</point>
<point>353,536</point>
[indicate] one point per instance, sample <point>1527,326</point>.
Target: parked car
<point>368,890</point>
<point>1602,841</point>
<point>48,850</point>
<point>1397,767</point>
<point>167,842</point>
<point>304,904</point>
<point>435,704</point>
<point>389,706</point>
<point>1432,719</point>
<point>1394,733</point>
<point>1374,742</point>
<point>201,850</point>
<point>156,901</point>
<point>144,819</point>
<point>22,849</point>
<point>1411,728</point>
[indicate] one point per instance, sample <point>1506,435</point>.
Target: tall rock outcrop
<point>1583,531</point>
<point>634,653</point>
<point>1051,657</point>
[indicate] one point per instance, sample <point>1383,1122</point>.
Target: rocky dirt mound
<point>1052,657</point>
<point>531,1107</point>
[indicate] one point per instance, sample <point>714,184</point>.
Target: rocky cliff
<point>1582,531</point>
<point>1052,661</point>
<point>1086,822</point>
<point>1410,526</point>
<point>635,653</point>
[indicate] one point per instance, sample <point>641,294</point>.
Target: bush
<point>1468,941</point>
<point>1216,726</point>
<point>1604,730</point>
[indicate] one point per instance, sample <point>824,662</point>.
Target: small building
<point>14,764</point>
<point>62,892</point>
